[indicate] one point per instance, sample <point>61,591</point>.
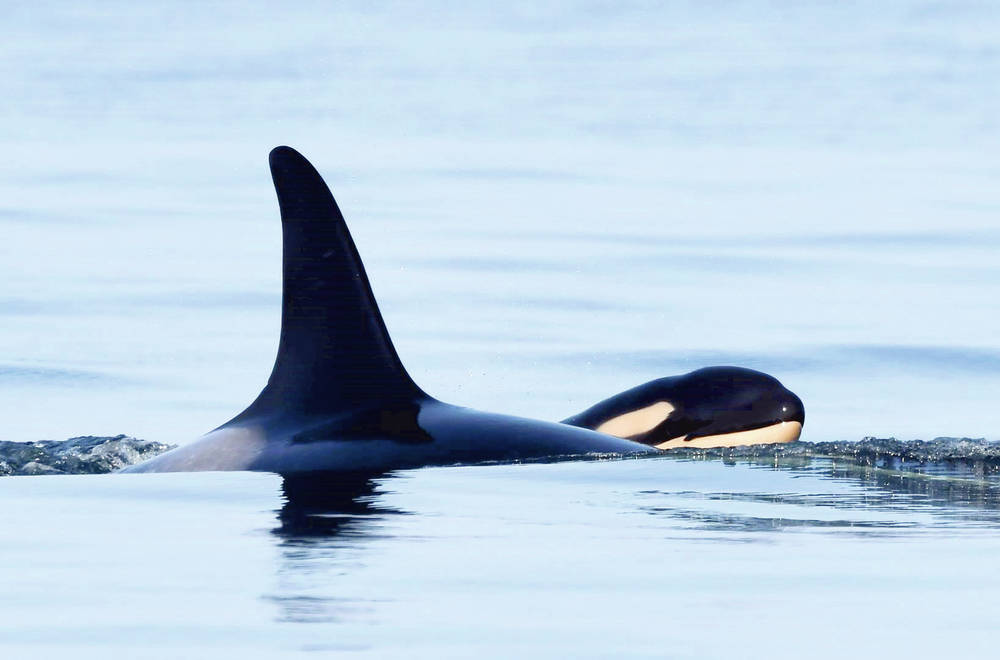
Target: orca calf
<point>710,407</point>
<point>339,400</point>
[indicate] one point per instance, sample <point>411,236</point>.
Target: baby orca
<point>338,398</point>
<point>710,407</point>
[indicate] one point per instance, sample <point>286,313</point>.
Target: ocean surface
<point>642,558</point>
<point>554,203</point>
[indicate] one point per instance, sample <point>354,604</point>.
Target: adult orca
<point>338,398</point>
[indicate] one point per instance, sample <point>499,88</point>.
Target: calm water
<point>554,204</point>
<point>656,557</point>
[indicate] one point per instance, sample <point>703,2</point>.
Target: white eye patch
<point>638,421</point>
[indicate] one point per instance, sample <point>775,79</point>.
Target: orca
<point>339,400</point>
<point>709,407</point>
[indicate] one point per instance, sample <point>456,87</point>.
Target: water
<point>554,204</point>
<point>653,558</point>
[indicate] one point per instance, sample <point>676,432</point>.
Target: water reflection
<point>326,505</point>
<point>890,497</point>
<point>325,524</point>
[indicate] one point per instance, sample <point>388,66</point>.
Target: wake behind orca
<point>339,399</point>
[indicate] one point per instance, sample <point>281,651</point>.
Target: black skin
<point>339,399</point>
<point>709,401</point>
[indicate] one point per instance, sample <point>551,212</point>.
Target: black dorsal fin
<point>335,353</point>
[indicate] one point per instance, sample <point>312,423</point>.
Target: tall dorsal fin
<point>335,353</point>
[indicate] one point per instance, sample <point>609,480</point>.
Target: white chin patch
<point>767,435</point>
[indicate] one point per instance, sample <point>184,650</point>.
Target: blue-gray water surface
<point>554,203</point>
<point>645,558</point>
